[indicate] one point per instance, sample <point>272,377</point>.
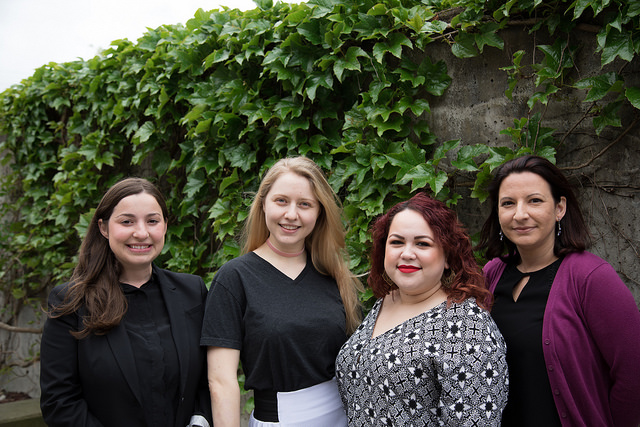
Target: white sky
<point>36,32</point>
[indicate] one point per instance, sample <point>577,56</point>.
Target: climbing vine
<point>204,109</point>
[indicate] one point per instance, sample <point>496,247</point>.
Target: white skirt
<point>315,406</point>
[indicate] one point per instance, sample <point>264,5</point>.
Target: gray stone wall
<point>475,110</point>
<point>19,369</point>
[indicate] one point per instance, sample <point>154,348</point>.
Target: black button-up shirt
<point>147,324</point>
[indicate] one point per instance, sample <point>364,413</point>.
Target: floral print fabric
<point>444,367</point>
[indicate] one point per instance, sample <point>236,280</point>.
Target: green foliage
<point>204,109</point>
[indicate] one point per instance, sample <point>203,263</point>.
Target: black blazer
<point>93,381</point>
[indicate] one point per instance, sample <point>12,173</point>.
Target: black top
<point>288,331</point>
<point>94,381</point>
<point>521,325</point>
<point>147,324</point>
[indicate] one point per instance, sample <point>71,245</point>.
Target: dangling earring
<point>559,229</point>
<point>387,279</point>
<point>501,235</point>
<point>447,279</point>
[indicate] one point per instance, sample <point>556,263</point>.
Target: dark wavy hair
<point>574,237</point>
<point>95,285</point>
<point>449,234</point>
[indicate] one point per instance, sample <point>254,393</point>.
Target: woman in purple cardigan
<point>571,325</point>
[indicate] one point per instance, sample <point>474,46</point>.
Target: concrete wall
<point>20,349</point>
<point>475,110</point>
<point>17,350</point>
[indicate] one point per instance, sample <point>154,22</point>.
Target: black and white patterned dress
<point>444,367</point>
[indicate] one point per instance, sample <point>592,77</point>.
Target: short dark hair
<point>575,236</point>
<point>449,234</point>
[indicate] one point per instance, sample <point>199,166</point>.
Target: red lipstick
<point>408,268</point>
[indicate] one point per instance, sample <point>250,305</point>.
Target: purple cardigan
<point>591,342</point>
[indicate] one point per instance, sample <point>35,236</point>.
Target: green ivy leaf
<point>349,62</point>
<point>542,97</point>
<point>226,182</point>
<point>392,45</point>
<point>579,7</point>
<point>600,86</point>
<point>264,4</point>
<point>203,126</point>
<point>194,183</point>
<point>466,155</point>
<point>410,156</point>
<point>434,27</point>
<point>216,57</point>
<point>483,178</point>
<point>557,58</point>
<point>194,114</point>
<point>438,181</point>
<point>144,132</point>
<point>498,156</point>
<point>548,153</point>
<point>609,116</point>
<point>395,122</point>
<point>297,16</point>
<point>242,156</point>
<point>617,44</point>
<point>436,79</point>
<point>442,150</point>
<point>419,106</point>
<point>464,46</point>
<point>633,95</point>
<point>419,176</point>
<point>311,31</point>
<point>488,36</point>
<point>18,293</point>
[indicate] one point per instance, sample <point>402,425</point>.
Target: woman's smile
<point>408,268</point>
<point>139,248</point>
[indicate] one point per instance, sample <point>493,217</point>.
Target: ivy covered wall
<point>390,97</point>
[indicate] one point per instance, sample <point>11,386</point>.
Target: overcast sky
<point>36,32</point>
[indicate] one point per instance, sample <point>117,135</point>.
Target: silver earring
<point>559,229</point>
<point>501,235</point>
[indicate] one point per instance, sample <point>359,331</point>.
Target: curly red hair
<point>450,234</point>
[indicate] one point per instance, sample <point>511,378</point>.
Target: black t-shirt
<point>530,401</point>
<point>288,331</point>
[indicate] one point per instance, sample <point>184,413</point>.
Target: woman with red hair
<point>428,353</point>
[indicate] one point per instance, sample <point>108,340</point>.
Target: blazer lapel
<point>123,353</point>
<point>175,306</point>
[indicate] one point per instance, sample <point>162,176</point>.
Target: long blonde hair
<point>326,242</point>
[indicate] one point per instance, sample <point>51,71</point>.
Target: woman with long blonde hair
<point>285,307</point>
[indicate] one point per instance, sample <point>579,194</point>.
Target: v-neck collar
<point>378,307</point>
<point>298,278</point>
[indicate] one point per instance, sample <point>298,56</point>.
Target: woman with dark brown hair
<point>121,344</point>
<point>428,353</point>
<point>571,325</point>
